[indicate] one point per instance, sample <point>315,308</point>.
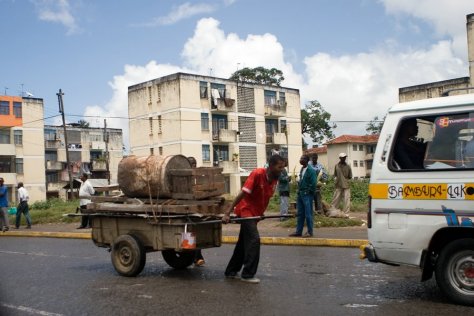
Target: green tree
<point>375,125</point>
<point>315,122</point>
<point>83,123</point>
<point>259,75</point>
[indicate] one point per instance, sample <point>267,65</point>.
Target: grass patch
<point>323,221</point>
<point>50,211</point>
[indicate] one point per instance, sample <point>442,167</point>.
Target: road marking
<point>359,305</point>
<point>30,310</point>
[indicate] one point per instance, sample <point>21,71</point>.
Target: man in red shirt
<point>252,201</point>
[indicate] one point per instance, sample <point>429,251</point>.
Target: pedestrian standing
<point>5,225</point>
<point>284,191</point>
<point>198,257</point>
<point>252,201</point>
<point>342,174</point>
<point>22,207</point>
<point>86,190</point>
<point>322,176</point>
<point>304,203</point>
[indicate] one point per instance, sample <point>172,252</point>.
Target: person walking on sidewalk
<point>4,224</point>
<point>342,175</point>
<point>22,207</point>
<point>304,203</point>
<point>284,191</point>
<point>252,201</point>
<point>322,176</point>
<point>85,191</point>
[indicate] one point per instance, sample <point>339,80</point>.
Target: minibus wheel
<point>455,271</point>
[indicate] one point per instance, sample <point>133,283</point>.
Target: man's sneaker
<point>294,235</point>
<point>307,235</point>
<point>250,280</point>
<point>232,276</point>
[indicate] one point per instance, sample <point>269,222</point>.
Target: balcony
<point>229,166</point>
<point>276,139</point>
<point>369,156</point>
<point>225,136</point>
<point>52,144</point>
<point>54,165</point>
<point>97,145</point>
<point>7,149</point>
<point>222,105</point>
<point>55,186</point>
<point>98,165</point>
<point>277,109</point>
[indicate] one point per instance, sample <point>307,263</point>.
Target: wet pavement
<point>44,276</point>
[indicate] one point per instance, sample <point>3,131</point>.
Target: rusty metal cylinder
<point>148,176</point>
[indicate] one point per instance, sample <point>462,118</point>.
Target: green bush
<point>50,211</point>
<point>323,221</point>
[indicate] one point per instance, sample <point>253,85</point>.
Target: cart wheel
<point>128,255</point>
<point>178,260</point>
<point>455,271</point>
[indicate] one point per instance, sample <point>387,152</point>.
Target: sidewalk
<point>271,233</point>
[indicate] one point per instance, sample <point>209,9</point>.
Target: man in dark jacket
<point>304,204</point>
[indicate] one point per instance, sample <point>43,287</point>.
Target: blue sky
<point>351,55</point>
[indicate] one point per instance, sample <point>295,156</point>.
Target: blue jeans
<point>304,205</point>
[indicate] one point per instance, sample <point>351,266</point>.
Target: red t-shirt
<point>258,193</point>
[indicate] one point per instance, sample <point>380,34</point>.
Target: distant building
<point>87,154</point>
<point>220,122</point>
<point>360,153</point>
<point>436,89</point>
<point>21,146</point>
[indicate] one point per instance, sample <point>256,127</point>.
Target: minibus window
<point>409,150</point>
<point>453,142</point>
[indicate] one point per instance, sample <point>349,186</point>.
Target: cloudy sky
<point>351,55</point>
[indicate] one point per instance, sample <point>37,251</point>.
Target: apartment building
<point>360,153</point>
<point>21,146</point>
<point>457,85</point>
<point>87,154</point>
<point>220,122</point>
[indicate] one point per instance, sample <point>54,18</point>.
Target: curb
<point>274,241</point>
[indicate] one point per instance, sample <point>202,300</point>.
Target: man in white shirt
<point>85,190</point>
<point>23,198</point>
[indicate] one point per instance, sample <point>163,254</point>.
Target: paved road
<point>42,276</point>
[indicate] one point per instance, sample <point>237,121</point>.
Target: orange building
<point>11,111</point>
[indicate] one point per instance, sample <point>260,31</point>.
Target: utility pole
<point>106,140</point>
<point>69,167</point>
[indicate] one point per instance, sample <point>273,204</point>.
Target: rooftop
<point>364,139</point>
<point>317,150</point>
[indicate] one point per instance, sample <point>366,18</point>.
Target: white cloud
<point>184,11</point>
<point>229,2</point>
<point>446,16</point>
<point>57,11</point>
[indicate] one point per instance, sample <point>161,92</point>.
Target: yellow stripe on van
<point>422,191</point>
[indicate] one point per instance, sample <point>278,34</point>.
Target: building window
<point>220,88</point>
<point>18,137</point>
<point>203,89</point>
<point>49,134</point>
<point>221,153</point>
<point>160,150</point>
<point>354,163</point>
<point>159,124</point>
<point>158,92</point>
<point>206,153</point>
<point>149,95</point>
<point>17,109</point>
<point>4,136</point>
<point>152,151</point>
<point>4,108</point>
<point>53,156</point>
<point>282,101</point>
<point>354,147</point>
<point>361,147</point>
<point>218,122</point>
<point>428,93</point>
<point>269,97</point>
<point>361,163</point>
<point>205,121</point>
<point>19,165</point>
<point>6,164</point>
<point>283,128</point>
<point>52,177</point>
<point>150,121</point>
